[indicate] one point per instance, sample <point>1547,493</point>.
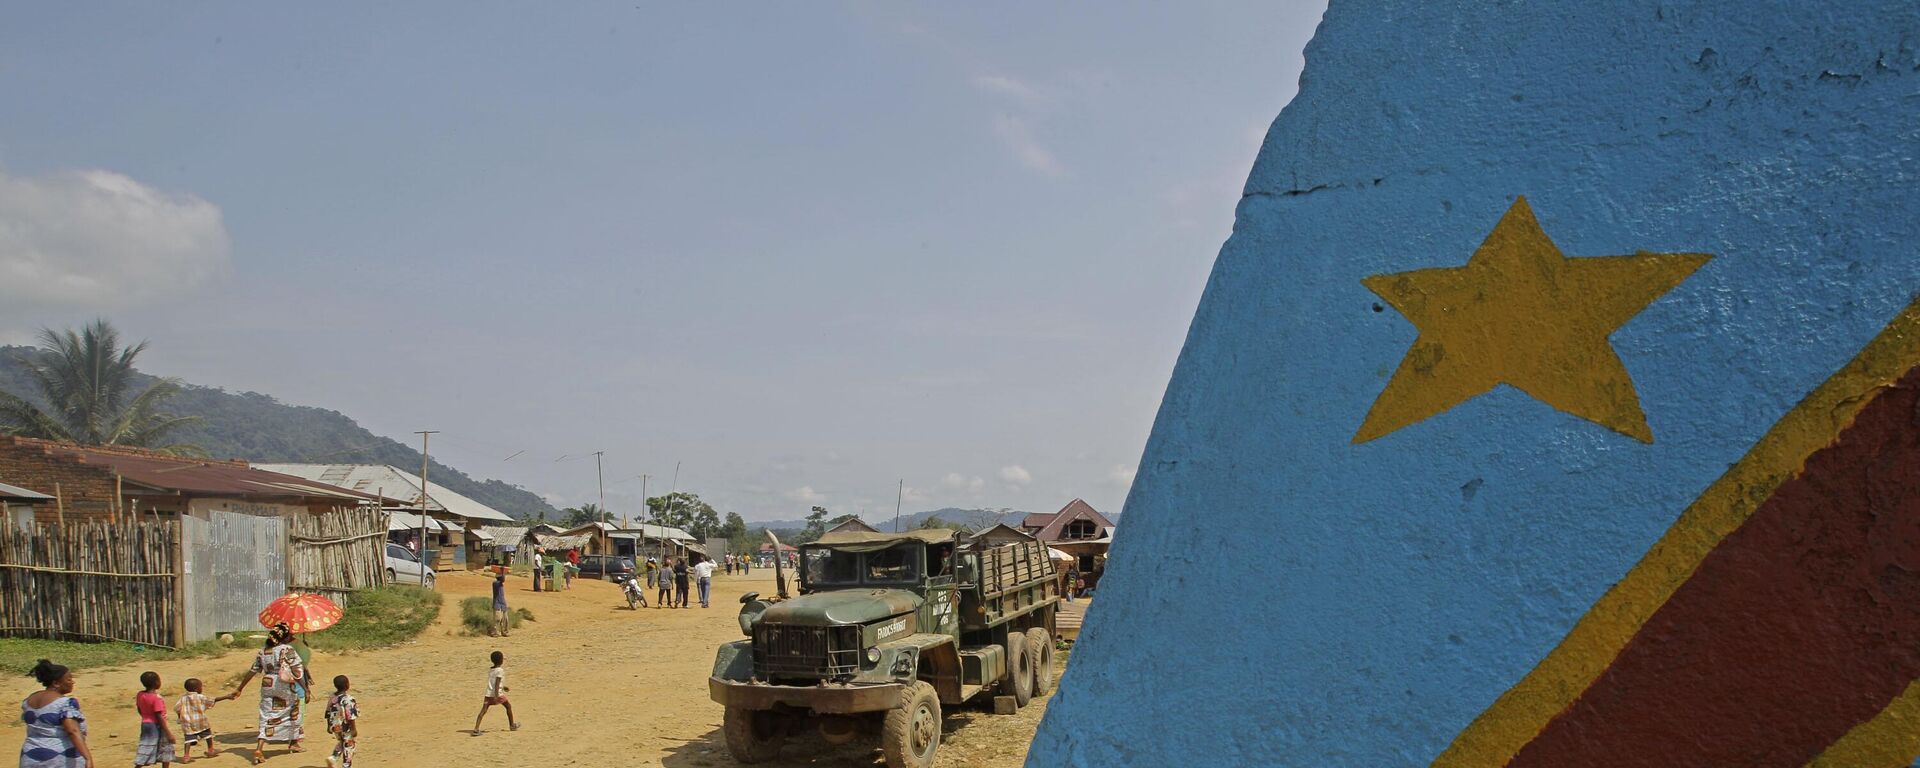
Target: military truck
<point>888,629</point>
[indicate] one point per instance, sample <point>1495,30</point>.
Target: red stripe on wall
<point>1803,623</point>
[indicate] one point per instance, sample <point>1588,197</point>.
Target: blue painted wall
<point>1410,580</point>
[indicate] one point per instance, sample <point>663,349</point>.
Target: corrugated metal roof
<point>197,476</point>
<point>393,483</point>
<point>17,493</point>
<point>652,531</point>
<point>412,523</point>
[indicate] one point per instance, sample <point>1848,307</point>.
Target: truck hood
<point>845,606</point>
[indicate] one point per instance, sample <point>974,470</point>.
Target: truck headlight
<point>873,655</point>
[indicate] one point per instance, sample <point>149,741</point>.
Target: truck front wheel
<point>911,733</point>
<point>1019,668</point>
<point>753,735</point>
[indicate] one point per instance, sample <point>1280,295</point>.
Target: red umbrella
<point>301,612</point>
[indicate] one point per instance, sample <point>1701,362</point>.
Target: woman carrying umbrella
<point>284,680</point>
<point>281,693</point>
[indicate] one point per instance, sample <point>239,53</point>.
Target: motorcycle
<point>636,594</point>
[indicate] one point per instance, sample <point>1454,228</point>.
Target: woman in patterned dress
<point>56,731</point>
<point>281,693</point>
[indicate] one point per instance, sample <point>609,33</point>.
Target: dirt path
<point>594,683</point>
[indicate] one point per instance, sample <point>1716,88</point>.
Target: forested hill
<point>256,427</point>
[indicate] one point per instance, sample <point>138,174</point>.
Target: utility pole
<point>600,479</point>
<point>897,496</point>
<point>643,501</point>
<point>424,435</point>
<point>671,489</point>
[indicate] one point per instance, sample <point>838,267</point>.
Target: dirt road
<point>594,684</point>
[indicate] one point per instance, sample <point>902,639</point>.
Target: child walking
<point>343,721</point>
<point>666,584</point>
<point>194,725</point>
<point>496,694</point>
<point>156,737</point>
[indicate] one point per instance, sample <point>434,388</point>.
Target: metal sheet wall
<point>236,564</point>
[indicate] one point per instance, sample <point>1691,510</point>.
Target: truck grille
<point>796,651</point>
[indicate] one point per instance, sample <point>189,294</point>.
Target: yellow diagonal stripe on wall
<point>1521,713</point>
<point>1890,740</point>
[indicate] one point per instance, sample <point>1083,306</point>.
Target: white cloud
<point>1121,475</point>
<point>806,495</point>
<point>1014,133</point>
<point>911,494</point>
<point>1001,85</point>
<point>98,239</point>
<point>959,481</point>
<point>1015,475</point>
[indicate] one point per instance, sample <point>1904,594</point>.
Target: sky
<point>805,252</point>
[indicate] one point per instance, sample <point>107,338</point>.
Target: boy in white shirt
<point>496,694</point>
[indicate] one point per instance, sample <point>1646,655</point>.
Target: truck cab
<point>885,630</point>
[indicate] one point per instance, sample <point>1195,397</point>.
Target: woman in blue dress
<point>56,731</point>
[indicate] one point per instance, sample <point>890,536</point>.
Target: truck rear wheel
<point>1019,668</point>
<point>911,733</point>
<point>1040,647</point>
<point>753,735</point>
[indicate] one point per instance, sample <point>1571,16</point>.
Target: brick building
<point>103,481</point>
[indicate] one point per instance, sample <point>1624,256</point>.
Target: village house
<point>1001,533</point>
<point>246,536</point>
<point>855,525</point>
<point>767,550</point>
<point>455,525</point>
<point>1079,530</point>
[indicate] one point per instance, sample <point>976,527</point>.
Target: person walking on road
<point>664,578</point>
<point>680,582</point>
<point>496,693</point>
<point>703,576</point>
<point>539,564</point>
<point>501,617</point>
<point>56,730</point>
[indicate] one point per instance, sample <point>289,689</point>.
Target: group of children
<point>157,738</point>
<point>60,741</point>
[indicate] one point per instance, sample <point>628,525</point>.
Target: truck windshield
<point>894,565</point>
<point>827,567</point>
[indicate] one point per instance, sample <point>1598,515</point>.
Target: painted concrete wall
<point>1520,505</point>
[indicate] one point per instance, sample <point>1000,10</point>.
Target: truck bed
<point>1015,579</point>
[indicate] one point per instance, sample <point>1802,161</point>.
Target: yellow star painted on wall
<point>1523,314</point>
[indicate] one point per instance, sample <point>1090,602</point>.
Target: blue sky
<point>806,251</point>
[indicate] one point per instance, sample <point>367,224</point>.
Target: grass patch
<point>378,618</point>
<point>476,613</point>
<point>18,655</point>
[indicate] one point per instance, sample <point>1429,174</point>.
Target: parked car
<point>404,568</point>
<point>609,567</point>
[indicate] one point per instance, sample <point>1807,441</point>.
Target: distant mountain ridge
<point>256,427</point>
<point>910,521</point>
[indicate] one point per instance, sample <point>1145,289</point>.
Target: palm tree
<point>583,514</point>
<point>85,378</point>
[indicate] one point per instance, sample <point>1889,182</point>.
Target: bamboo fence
<point>91,580</point>
<point>338,551</point>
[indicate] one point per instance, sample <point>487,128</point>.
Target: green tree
<point>934,521</point>
<point>816,526</point>
<point>85,379</point>
<point>685,511</point>
<point>735,528</point>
